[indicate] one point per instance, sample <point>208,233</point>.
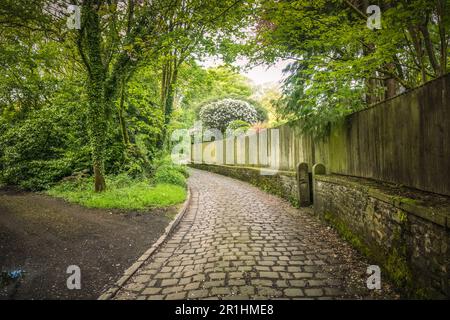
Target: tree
<point>169,32</point>
<point>269,97</point>
<point>196,28</point>
<point>117,39</point>
<point>41,104</point>
<point>30,65</point>
<point>340,65</point>
<point>199,85</point>
<point>110,51</point>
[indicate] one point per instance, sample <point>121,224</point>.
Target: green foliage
<point>144,117</point>
<point>96,99</point>
<point>170,175</point>
<point>29,64</point>
<point>261,112</point>
<point>136,163</point>
<point>318,103</point>
<point>167,172</point>
<point>339,65</point>
<point>238,126</point>
<point>200,85</point>
<point>173,167</point>
<point>270,100</point>
<point>123,193</point>
<point>43,148</point>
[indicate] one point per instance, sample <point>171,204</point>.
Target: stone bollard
<point>317,169</point>
<point>303,185</point>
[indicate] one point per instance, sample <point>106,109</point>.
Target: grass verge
<point>122,193</point>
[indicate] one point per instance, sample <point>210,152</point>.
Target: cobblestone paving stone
<point>238,242</point>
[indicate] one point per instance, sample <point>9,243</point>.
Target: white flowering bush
<point>220,113</point>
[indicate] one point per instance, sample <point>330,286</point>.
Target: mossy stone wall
<point>411,246</point>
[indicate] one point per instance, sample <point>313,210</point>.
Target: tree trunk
<point>170,95</point>
<point>371,97</point>
<point>123,125</point>
<point>168,85</point>
<point>429,47</point>
<point>417,42</point>
<point>97,128</point>
<point>99,179</point>
<point>391,88</point>
<point>443,37</point>
<point>390,83</point>
<point>97,119</point>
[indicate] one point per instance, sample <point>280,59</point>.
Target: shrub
<point>164,162</point>
<point>181,169</point>
<point>169,175</point>
<point>136,163</point>
<point>32,153</point>
<point>238,127</point>
<point>262,113</point>
<point>219,114</point>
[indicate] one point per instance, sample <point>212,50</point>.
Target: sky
<point>265,73</point>
<point>262,74</point>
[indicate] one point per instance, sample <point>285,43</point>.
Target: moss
<point>397,268</point>
<point>403,217</point>
<point>347,234</point>
<point>412,202</point>
<point>294,202</point>
<point>409,201</point>
<point>394,264</point>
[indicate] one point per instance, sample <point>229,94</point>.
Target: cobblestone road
<point>238,242</point>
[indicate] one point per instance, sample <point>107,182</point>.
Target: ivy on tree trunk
<point>97,119</point>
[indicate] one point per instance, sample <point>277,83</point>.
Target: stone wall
<point>408,238</point>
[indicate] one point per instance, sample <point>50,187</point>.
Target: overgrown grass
<point>122,193</point>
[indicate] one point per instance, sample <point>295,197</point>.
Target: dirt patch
<point>42,236</point>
